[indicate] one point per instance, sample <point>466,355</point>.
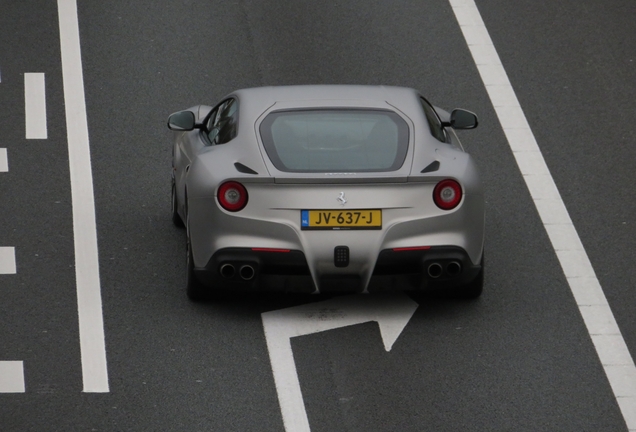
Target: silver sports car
<point>327,188</point>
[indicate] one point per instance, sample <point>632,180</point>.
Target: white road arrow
<point>392,313</point>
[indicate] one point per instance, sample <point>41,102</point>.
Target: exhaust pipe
<point>227,271</point>
<point>435,270</point>
<point>247,272</point>
<point>453,268</point>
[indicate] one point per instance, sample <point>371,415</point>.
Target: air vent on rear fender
<point>244,169</point>
<point>433,166</point>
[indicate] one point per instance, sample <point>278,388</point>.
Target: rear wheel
<point>473,289</point>
<point>195,290</point>
<point>176,219</point>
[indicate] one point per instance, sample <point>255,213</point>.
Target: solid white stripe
<point>89,301</point>
<point>4,160</point>
<point>11,377</point>
<point>35,106</point>
<point>7,260</point>
<point>597,315</point>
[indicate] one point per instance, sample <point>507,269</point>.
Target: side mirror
<point>462,119</point>
<point>181,121</point>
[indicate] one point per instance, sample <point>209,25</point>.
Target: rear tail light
<point>447,194</point>
<point>232,196</point>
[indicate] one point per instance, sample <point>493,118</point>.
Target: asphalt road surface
<point>519,358</point>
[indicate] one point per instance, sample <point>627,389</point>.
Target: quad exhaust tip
<point>247,272</point>
<point>227,271</point>
<point>435,270</point>
<point>453,268</point>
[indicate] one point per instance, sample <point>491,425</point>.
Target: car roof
<point>325,91</point>
<point>255,101</point>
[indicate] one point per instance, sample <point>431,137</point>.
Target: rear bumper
<point>253,270</point>
<point>437,267</point>
<point>284,270</point>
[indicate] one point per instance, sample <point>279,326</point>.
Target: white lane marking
<point>35,106</point>
<point>4,160</point>
<point>392,313</point>
<point>11,372</point>
<point>597,315</point>
<point>7,260</point>
<point>89,300</point>
<point>11,377</point>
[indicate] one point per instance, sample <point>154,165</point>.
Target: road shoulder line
<point>598,318</point>
<point>89,300</point>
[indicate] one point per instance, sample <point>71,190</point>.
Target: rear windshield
<point>334,140</point>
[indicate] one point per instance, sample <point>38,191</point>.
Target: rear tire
<point>195,290</point>
<point>176,219</point>
<point>473,289</point>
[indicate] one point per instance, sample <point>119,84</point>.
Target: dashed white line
<point>11,377</point>
<point>4,160</point>
<point>597,315</point>
<point>11,372</point>
<point>89,300</point>
<point>35,106</point>
<point>7,260</point>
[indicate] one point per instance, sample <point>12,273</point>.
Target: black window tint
<point>209,125</point>
<point>433,121</point>
<point>335,140</point>
<point>223,123</point>
<point>228,122</point>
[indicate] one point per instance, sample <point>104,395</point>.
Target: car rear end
<point>344,207</point>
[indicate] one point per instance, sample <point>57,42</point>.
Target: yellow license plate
<point>341,219</point>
